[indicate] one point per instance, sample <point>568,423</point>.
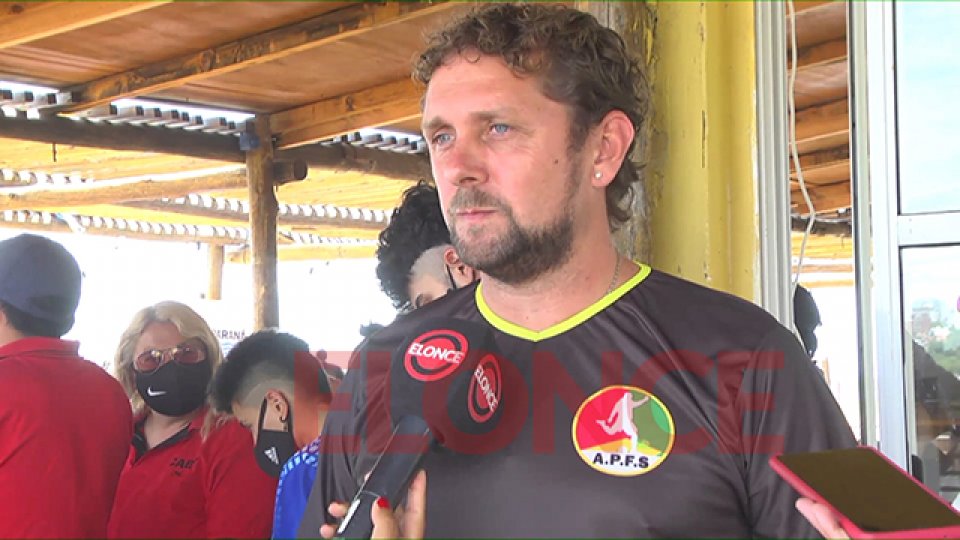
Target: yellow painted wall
<point>702,172</point>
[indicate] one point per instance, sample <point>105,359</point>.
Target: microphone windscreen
<point>449,373</point>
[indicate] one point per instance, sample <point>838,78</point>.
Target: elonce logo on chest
<point>623,431</point>
<point>434,355</point>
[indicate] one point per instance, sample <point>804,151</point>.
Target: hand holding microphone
<point>408,521</point>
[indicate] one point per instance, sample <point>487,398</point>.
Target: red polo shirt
<point>64,434</point>
<point>186,487</point>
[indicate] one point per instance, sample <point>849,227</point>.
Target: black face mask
<point>273,447</point>
<point>175,389</point>
<point>453,284</point>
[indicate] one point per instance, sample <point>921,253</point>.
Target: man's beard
<point>522,254</point>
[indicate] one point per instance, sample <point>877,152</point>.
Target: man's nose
<point>462,164</point>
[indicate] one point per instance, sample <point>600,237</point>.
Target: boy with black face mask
<point>275,387</point>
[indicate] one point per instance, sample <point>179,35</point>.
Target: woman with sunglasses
<point>190,473</point>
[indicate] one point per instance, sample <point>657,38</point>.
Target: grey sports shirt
<point>652,413</point>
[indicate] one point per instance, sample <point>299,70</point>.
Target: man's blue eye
<point>500,129</point>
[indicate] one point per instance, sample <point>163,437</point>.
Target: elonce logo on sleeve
<point>435,354</point>
<point>485,389</point>
<point>623,431</point>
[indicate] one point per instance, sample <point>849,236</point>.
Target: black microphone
<point>446,385</point>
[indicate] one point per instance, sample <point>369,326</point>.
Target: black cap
<point>39,277</point>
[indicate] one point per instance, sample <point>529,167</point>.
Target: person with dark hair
<point>369,329</point>
<point>530,115</point>
<point>334,372</point>
<point>279,390</point>
<point>806,317</point>
<point>65,424</point>
<point>417,264</point>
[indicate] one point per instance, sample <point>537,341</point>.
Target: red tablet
<point>871,496</point>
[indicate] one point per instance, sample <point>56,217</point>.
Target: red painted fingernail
<point>382,502</point>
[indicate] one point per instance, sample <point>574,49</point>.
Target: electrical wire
<point>794,151</point>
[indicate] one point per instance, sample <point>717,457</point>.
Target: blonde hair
<point>190,325</point>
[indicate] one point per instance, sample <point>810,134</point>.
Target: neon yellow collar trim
<point>512,329</point>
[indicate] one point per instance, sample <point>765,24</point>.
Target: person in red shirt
<point>190,473</point>
<point>64,421</point>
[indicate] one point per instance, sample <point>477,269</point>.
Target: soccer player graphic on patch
<point>621,420</point>
<point>623,431</point>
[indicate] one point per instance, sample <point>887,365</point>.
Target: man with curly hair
<point>417,262</point>
<point>530,115</point>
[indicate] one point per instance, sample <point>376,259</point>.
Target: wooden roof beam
<point>114,191</point>
<point>822,284</point>
<point>339,157</point>
<point>390,103</point>
<point>122,137</point>
<point>331,27</point>
<point>824,268</point>
<point>826,198</point>
<point>823,167</point>
<point>148,230</point>
<point>822,158</point>
<point>818,23</point>
<point>238,211</point>
<point>321,252</point>
<point>24,22</point>
<point>840,248</point>
<point>344,157</point>
<point>831,52</point>
<point>804,5</point>
<point>14,178</point>
<point>825,174</point>
<point>140,230</point>
<point>823,125</point>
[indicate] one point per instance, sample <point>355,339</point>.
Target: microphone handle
<point>390,477</point>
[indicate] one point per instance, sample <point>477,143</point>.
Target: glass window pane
<point>928,116</point>
<point>931,299</point>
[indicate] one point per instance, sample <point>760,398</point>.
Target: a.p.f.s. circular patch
<point>623,431</point>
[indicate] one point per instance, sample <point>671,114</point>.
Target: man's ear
<point>616,133</point>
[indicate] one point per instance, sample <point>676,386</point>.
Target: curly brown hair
<point>579,62</point>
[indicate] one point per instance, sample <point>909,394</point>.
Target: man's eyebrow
<point>438,122</point>
<point>433,124</point>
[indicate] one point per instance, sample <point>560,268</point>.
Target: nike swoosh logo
<point>152,393</point>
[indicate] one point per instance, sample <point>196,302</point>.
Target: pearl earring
<point>597,175</point>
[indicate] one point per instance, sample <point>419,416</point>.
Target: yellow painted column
<point>701,177</point>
